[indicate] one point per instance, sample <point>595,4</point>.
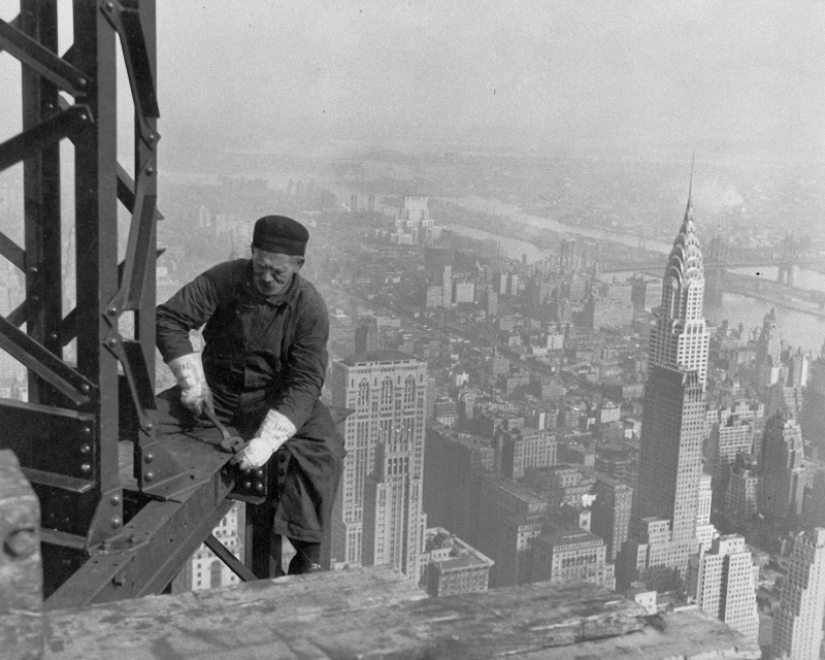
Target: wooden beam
<point>375,614</point>
<point>21,582</point>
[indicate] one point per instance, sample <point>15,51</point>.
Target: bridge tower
<point>718,255</point>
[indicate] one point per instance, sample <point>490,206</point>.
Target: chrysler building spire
<point>680,338</point>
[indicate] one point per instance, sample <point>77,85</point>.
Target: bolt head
<point>85,449</point>
<point>116,522</point>
<point>85,389</point>
<point>85,468</point>
<point>149,457</point>
<point>247,484</point>
<point>115,499</point>
<point>149,476</point>
<point>21,543</point>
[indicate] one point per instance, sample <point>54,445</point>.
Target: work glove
<point>194,391</point>
<point>274,432</point>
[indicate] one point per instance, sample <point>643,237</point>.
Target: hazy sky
<point>639,75</point>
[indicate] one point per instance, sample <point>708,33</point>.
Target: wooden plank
<point>373,614</point>
<point>21,582</point>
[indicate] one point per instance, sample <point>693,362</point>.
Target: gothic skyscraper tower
<point>670,454</point>
<point>680,338</point>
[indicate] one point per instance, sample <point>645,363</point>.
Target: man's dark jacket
<point>259,347</point>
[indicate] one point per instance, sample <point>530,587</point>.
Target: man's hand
<point>274,432</point>
<point>195,392</point>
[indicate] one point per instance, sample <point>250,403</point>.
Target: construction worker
<point>261,371</point>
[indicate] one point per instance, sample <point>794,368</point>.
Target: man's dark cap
<point>277,233</point>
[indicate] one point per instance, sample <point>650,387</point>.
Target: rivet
<point>52,336</point>
<point>150,171</point>
<point>149,476</point>
<point>83,116</point>
<point>21,543</point>
<point>85,449</point>
<point>111,311</point>
<point>34,269</point>
<point>111,341</point>
<point>81,82</point>
<point>85,468</point>
<point>148,458</point>
<point>247,484</point>
<point>259,486</point>
<point>149,426</point>
<point>259,472</point>
<point>110,6</point>
<point>115,499</point>
<point>150,138</point>
<point>116,521</point>
<point>85,389</point>
<point>35,298</point>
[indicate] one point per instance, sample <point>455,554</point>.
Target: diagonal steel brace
<point>44,363</point>
<point>41,59</point>
<point>124,17</point>
<point>64,124</point>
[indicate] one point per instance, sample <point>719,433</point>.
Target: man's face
<point>273,271</point>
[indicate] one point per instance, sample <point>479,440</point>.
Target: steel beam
<point>41,58</point>
<point>45,364</point>
<point>231,561</point>
<point>159,535</point>
<point>32,141</point>
<point>12,251</point>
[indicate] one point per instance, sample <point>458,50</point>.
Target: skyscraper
<point>782,470</point>
<point>378,516</point>
<point>611,512</point>
<point>797,630</point>
<point>670,454</point>
<point>722,581</point>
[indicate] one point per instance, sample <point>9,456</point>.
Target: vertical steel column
<point>146,139</point>
<point>96,251</point>
<point>38,19</point>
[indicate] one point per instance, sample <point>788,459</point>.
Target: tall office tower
<point>797,628</point>
<point>781,475</point>
<point>510,518</point>
<point>723,580</point>
<point>378,517</point>
<point>673,422</point>
<point>454,467</point>
<point>611,512</point>
<point>729,437</point>
<point>447,286</point>
<point>812,415</point>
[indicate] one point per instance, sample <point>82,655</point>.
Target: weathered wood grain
<point>21,574</point>
<point>372,614</point>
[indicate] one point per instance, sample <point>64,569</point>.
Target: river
<point>797,328</point>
